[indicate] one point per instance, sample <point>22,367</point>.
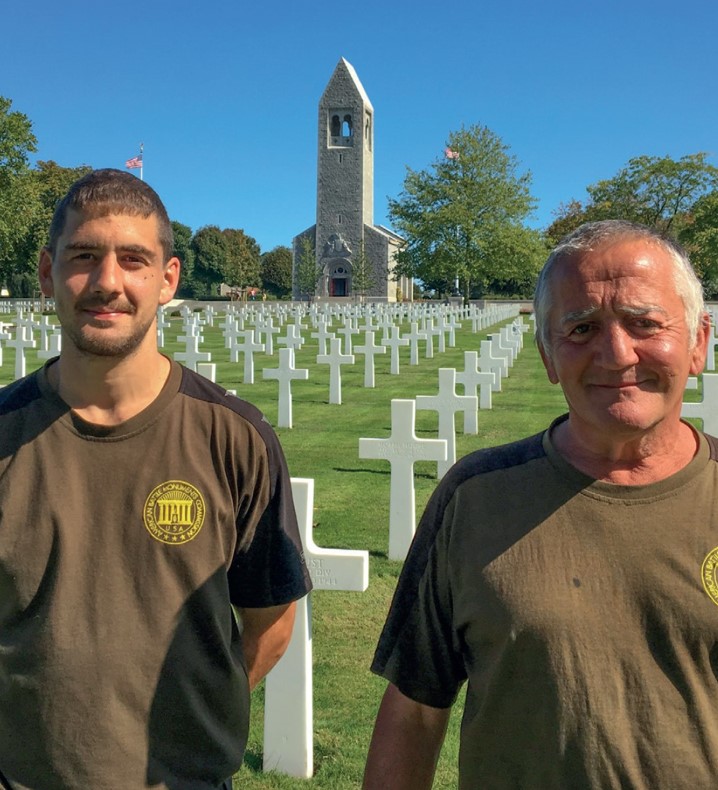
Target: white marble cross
<point>191,355</point>
<point>322,335</point>
<point>414,337</point>
<point>395,341</point>
<point>21,342</point>
<point>471,378</point>
<point>431,332</point>
<point>402,449</point>
<point>369,349</point>
<point>288,708</point>
<point>54,345</point>
<point>347,330</point>
<point>246,346</point>
<point>162,324</point>
<point>267,329</point>
<point>335,359</point>
<point>707,409</point>
<point>292,339</point>
<point>447,403</point>
<point>489,361</point>
<point>285,374</point>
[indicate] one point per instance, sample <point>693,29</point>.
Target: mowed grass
<point>352,511</point>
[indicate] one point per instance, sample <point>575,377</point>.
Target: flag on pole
<point>136,161</point>
<point>451,154</point>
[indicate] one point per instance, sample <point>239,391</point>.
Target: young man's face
<point>108,277</point>
<point>620,346</point>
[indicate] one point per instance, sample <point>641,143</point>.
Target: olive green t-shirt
<point>121,549</point>
<point>583,615</point>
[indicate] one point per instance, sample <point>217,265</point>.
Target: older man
<point>568,577</point>
<point>138,502</point>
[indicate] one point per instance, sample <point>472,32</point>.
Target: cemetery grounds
<point>351,511</point>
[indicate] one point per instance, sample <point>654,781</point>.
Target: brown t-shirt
<point>584,616</point>
<point>121,549</point>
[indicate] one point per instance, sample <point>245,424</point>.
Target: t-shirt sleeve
<point>271,569</point>
<point>418,650</point>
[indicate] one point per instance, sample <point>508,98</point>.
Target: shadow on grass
<point>368,471</point>
<point>253,759</point>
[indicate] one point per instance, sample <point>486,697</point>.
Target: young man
<point>570,577</point>
<point>138,502</point>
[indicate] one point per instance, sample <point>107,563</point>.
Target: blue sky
<point>224,94</point>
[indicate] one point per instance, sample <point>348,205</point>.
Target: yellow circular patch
<point>174,512</point>
<point>708,575</point>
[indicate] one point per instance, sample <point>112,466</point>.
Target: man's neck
<point>107,391</point>
<point>632,460</point>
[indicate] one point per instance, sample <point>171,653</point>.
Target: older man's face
<point>619,342</point>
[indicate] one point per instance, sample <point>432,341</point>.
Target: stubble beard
<point>97,342</point>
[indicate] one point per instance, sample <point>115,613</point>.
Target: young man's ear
<point>171,277</point>
<point>44,272</point>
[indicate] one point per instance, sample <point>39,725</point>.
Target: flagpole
<point>142,160</point>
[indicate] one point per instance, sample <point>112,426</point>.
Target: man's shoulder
<point>201,389</point>
<point>494,459</point>
<point>19,394</point>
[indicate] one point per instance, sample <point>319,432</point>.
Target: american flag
<point>450,154</point>
<point>136,161</point>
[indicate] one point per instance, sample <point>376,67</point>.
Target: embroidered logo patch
<point>174,512</point>
<point>709,571</point>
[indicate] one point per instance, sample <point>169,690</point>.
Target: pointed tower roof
<point>344,70</point>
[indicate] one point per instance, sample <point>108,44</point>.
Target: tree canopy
<point>656,191</point>
<point>276,269</point>
<point>461,214</point>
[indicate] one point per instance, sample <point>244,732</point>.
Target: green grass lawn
<point>351,511</point>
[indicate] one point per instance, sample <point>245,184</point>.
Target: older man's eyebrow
<point>576,316</point>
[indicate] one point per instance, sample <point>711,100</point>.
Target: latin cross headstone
<point>269,330</point>
<point>162,324</point>
<point>20,342</point>
<point>395,341</point>
<point>347,330</point>
<point>292,339</point>
<point>288,709</point>
<point>335,359</point>
<point>472,377</point>
<point>247,346</point>
<point>402,449</point>
<point>54,345</point>
<point>322,335</point>
<point>369,349</point>
<point>191,355</point>
<point>414,337</point>
<point>446,403</point>
<point>489,361</point>
<point>208,370</point>
<point>285,374</point>
<point>706,409</point>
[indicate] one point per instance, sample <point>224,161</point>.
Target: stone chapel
<point>344,229</point>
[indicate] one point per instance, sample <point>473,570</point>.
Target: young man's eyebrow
<point>90,244</point>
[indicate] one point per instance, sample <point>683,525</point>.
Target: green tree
<point>277,272</point>
<point>49,183</point>
<point>209,245</point>
<point>453,214</point>
<point>183,250</point>
<point>700,238</point>
<point>363,274</point>
<point>306,270</point>
<point>656,191</point>
<point>241,266</point>
<point>17,193</point>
